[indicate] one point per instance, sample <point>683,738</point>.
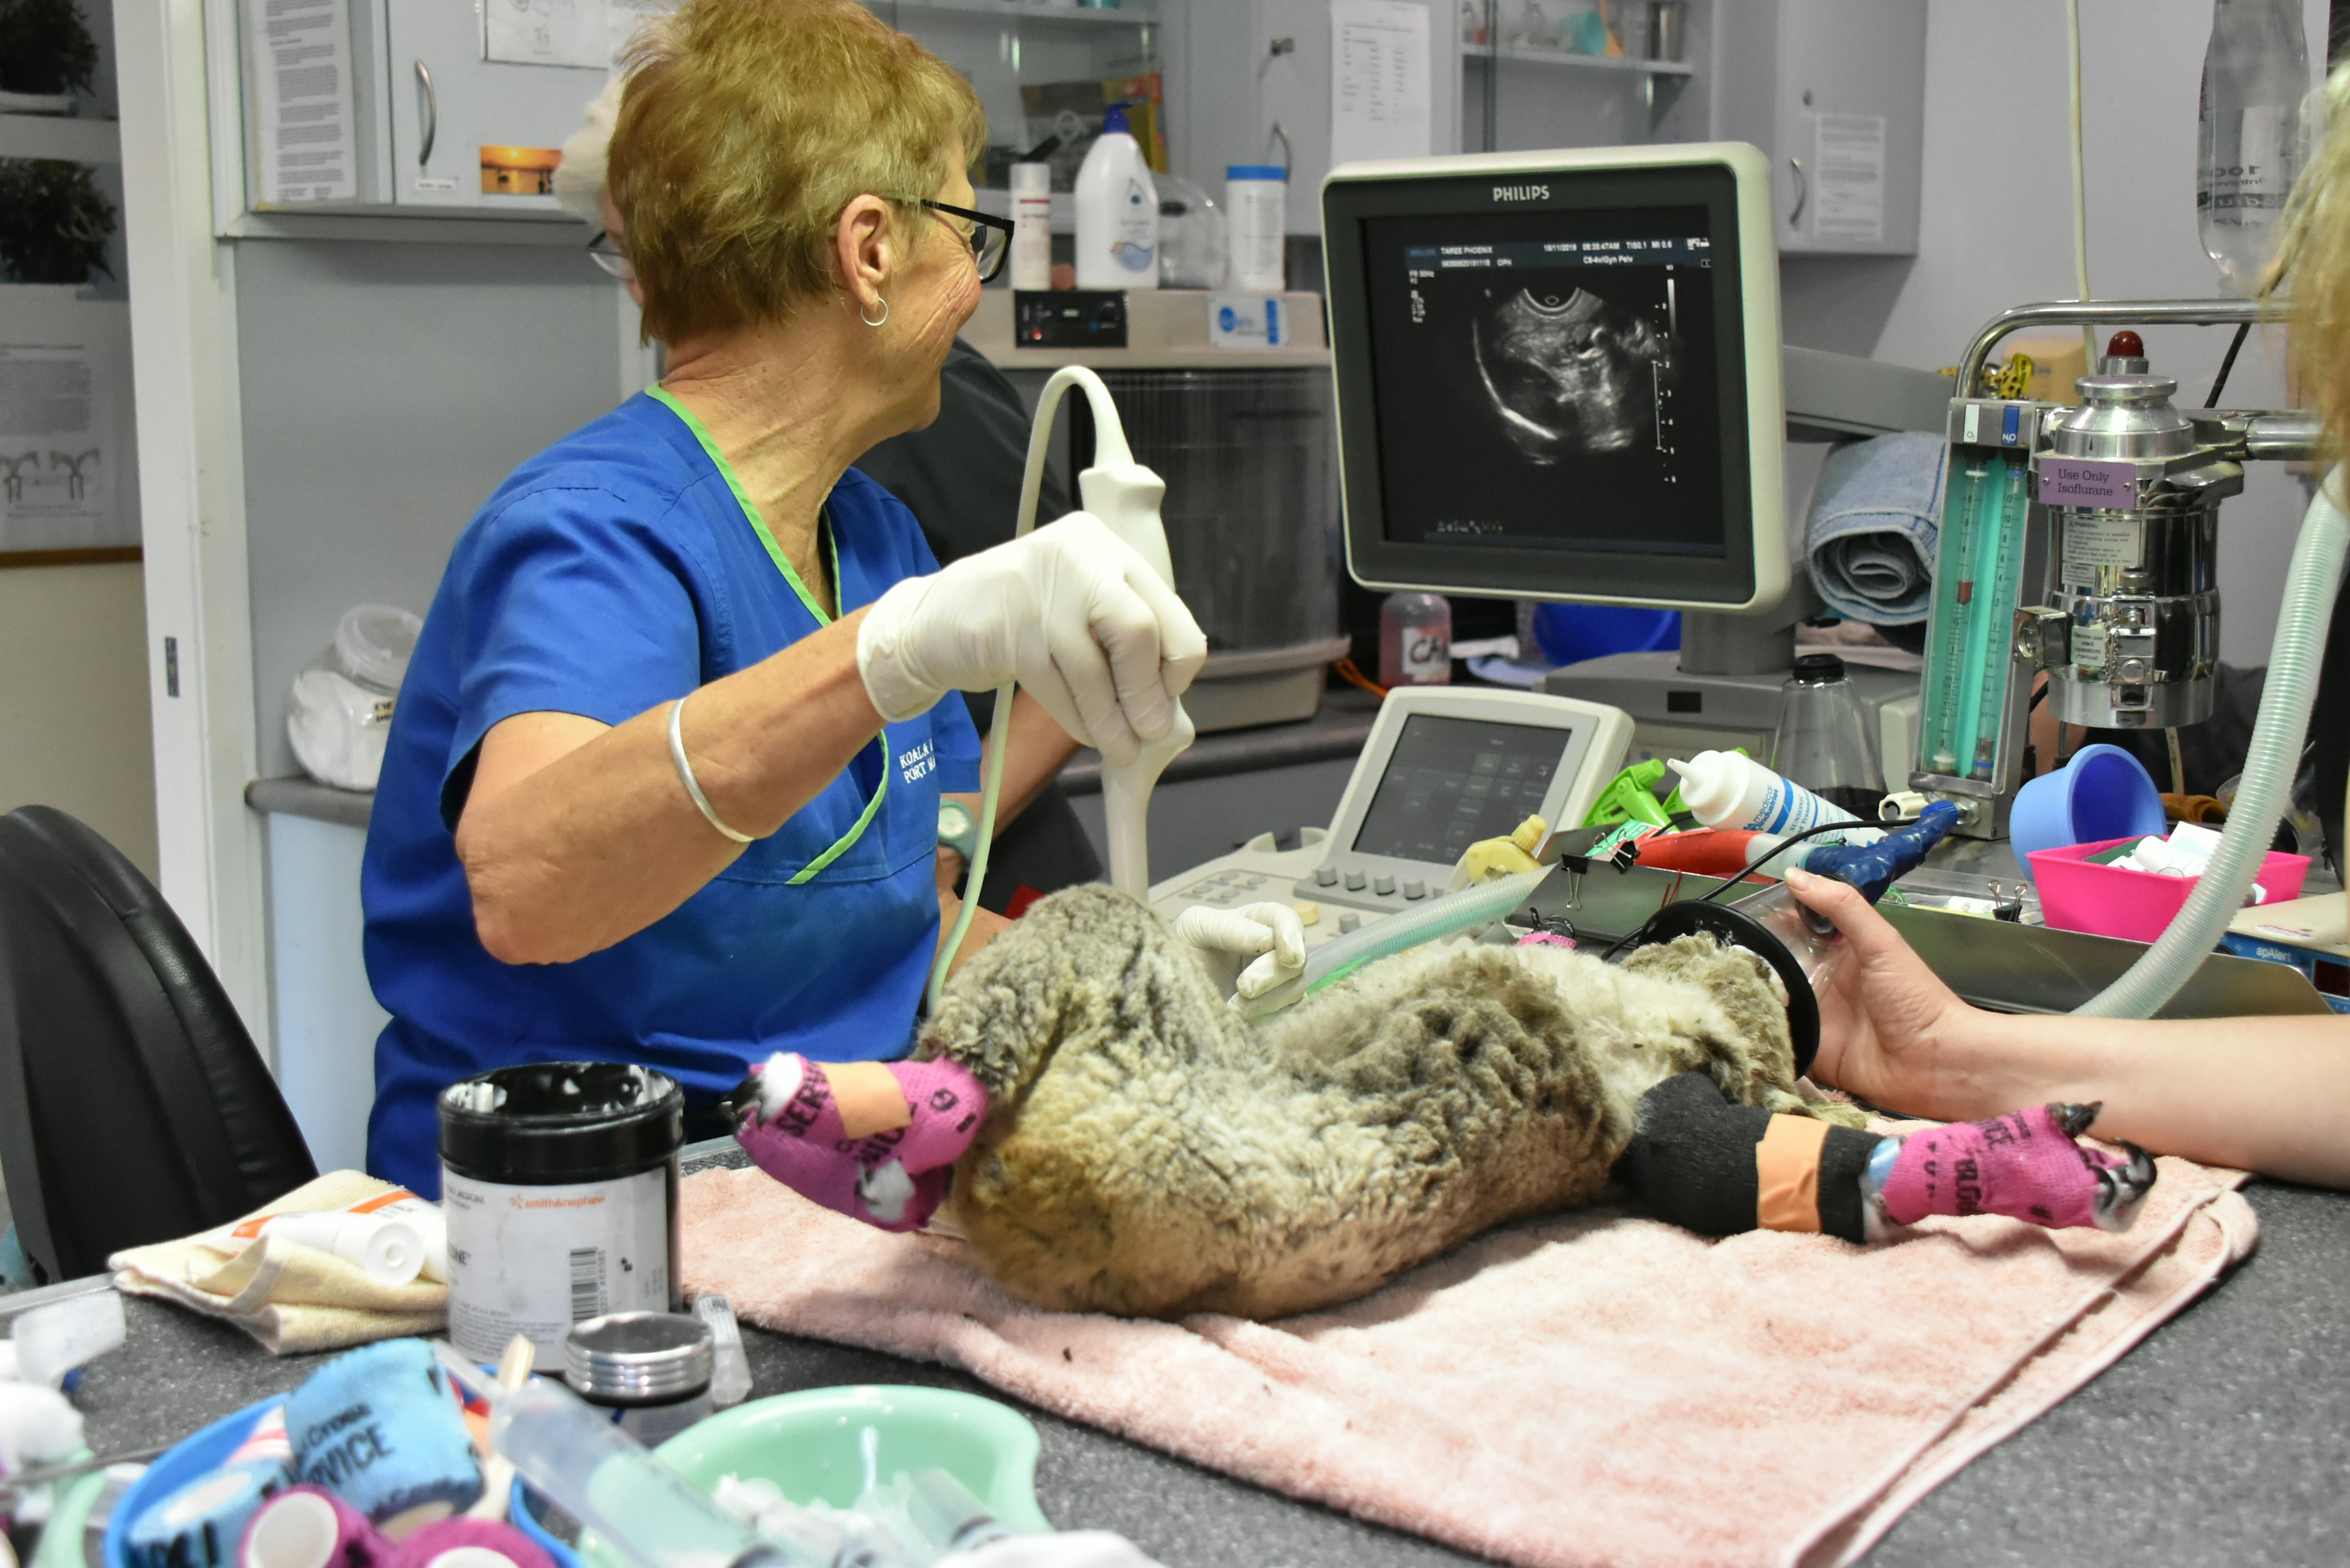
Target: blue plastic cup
<point>2103,793</point>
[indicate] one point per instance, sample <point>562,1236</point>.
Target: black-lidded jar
<point>559,1180</point>
<point>651,1369</point>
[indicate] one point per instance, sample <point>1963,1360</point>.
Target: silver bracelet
<point>685,772</point>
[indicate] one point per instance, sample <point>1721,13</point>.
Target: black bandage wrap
<point>1693,1162</point>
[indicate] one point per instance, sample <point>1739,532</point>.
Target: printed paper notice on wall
<point>64,376</point>
<point>1379,80</point>
<point>1848,178</point>
<point>300,56</point>
<point>547,32</point>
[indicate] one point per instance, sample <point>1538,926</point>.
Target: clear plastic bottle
<point>2253,141</point>
<point>1822,744</point>
<point>1416,640</point>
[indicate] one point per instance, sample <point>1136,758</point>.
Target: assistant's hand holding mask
<point>1070,611</point>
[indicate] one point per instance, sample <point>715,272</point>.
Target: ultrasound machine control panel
<point>1445,768</point>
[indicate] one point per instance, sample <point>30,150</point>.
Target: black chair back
<point>133,1106</point>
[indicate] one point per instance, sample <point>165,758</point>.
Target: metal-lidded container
<point>651,1369</point>
<point>559,1180</point>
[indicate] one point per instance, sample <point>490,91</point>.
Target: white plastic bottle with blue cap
<point>1117,210</point>
<point>1256,202</point>
<point>1723,789</point>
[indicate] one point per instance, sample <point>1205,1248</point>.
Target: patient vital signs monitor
<point>1559,375</point>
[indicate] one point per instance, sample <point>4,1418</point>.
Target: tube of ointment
<point>389,1250</point>
<point>730,1373</point>
<point>423,1220</point>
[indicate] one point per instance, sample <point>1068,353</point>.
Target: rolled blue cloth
<point>199,1525</point>
<point>1875,520</point>
<point>380,1427</point>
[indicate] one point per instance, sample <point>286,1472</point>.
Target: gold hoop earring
<point>869,320</point>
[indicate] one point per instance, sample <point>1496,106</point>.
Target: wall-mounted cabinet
<point>1833,92</point>
<point>458,108</point>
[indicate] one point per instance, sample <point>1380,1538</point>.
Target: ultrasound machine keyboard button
<point>1348,923</point>
<point>1383,885</point>
<point>1326,876</point>
<point>1355,881</point>
<point>1415,890</point>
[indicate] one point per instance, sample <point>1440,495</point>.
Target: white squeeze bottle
<point>1117,212</point>
<point>1729,791</point>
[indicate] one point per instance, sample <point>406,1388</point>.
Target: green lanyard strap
<point>784,565</point>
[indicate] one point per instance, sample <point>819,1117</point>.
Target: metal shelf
<point>1025,11</point>
<point>61,136</point>
<point>1524,54</point>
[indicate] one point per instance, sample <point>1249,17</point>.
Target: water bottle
<point>1415,640</point>
<point>1822,744</point>
<point>2255,79</point>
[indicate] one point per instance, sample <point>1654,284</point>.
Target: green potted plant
<point>53,222</point>
<point>47,56</point>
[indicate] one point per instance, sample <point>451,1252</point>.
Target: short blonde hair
<point>746,127</point>
<point>2313,265</point>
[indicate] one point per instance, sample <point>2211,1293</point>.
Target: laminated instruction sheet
<point>1379,105</point>
<point>299,57</point>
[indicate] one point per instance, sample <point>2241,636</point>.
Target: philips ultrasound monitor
<point>1559,375</point>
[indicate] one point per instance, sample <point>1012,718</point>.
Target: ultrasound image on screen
<point>1451,782</point>
<point>1548,378</point>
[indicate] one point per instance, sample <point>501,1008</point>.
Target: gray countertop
<point>1338,729</point>
<point>2218,1440</point>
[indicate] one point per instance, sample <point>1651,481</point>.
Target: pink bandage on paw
<point>873,1140</point>
<point>1545,940</point>
<point>2024,1165</point>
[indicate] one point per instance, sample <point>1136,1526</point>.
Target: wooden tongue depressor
<point>498,1470</point>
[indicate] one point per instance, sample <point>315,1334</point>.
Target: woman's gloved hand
<point>1070,611</point>
<point>1269,933</point>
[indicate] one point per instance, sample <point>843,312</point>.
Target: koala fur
<point>1148,1153</point>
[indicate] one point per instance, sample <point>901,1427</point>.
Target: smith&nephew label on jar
<point>536,1260</point>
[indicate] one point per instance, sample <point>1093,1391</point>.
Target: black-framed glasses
<point>990,236</point>
<point>605,252</point>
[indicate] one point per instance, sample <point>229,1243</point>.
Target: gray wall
<point>388,388</point>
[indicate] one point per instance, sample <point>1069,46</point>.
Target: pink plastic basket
<point>2114,901</point>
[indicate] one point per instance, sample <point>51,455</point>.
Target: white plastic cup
<point>1255,203</point>
<point>1032,226</point>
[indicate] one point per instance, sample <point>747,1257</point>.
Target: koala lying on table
<point>1120,1141</point>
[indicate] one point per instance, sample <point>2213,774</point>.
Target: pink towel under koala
<point>1593,1388</point>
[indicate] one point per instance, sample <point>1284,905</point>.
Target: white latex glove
<point>1071,612</point>
<point>1270,933</point>
<point>1062,1549</point>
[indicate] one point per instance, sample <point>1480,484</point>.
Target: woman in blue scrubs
<point>663,784</point>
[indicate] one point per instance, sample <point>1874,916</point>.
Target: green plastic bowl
<point>813,1445</point>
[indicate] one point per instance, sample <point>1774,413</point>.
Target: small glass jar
<point>651,1369</point>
